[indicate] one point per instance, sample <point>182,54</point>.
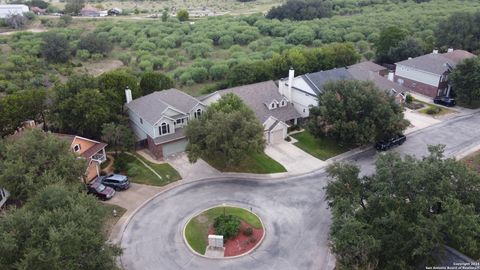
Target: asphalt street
<point>293,210</point>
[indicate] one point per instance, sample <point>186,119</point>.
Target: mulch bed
<point>241,243</point>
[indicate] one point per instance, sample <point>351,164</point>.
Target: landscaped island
<point>242,230</point>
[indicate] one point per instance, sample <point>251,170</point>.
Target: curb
<point>230,257</point>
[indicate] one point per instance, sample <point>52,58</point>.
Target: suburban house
<point>90,150</point>
<point>272,109</point>
<point>9,10</point>
<point>158,120</point>
<point>303,91</point>
<point>428,74</point>
<point>93,12</point>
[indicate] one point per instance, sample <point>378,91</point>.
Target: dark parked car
<point>386,144</point>
<point>116,181</point>
<point>100,190</point>
<point>445,101</point>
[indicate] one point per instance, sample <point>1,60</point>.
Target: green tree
<point>460,30</point>
<point>389,37</point>
<point>165,15</point>
<point>356,113</point>
<point>24,169</point>
<point>249,72</point>
<point>406,48</point>
<point>465,80</point>
<point>404,213</point>
<point>73,7</point>
<point>113,85</point>
<point>240,132</point>
<point>118,136</point>
<point>55,47</point>
<point>60,228</point>
<point>182,15</point>
<point>94,44</point>
<point>16,21</point>
<point>152,81</point>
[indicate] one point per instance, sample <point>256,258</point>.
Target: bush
<point>228,226</point>
<point>433,110</point>
<point>120,164</point>
<point>408,99</point>
<point>248,231</point>
<point>83,54</point>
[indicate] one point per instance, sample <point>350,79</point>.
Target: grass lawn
<point>321,148</point>
<point>439,109</point>
<point>252,163</point>
<point>110,220</point>
<point>197,229</point>
<point>138,173</point>
<point>473,161</point>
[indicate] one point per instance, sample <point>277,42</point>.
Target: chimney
<point>435,51</point>
<point>291,75</point>
<point>390,76</point>
<point>450,50</point>
<point>128,94</point>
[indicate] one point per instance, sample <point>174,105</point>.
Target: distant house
<point>38,11</point>
<point>303,91</point>
<point>90,150</point>
<point>158,120</point>
<point>93,12</point>
<point>428,74</point>
<point>9,10</point>
<point>273,110</point>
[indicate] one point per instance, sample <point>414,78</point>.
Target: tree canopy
<point>152,81</point>
<point>118,136</point>
<point>227,131</point>
<point>36,159</point>
<point>55,47</point>
<point>59,228</point>
<point>465,80</point>
<point>356,113</point>
<point>182,15</point>
<point>390,37</point>
<point>404,213</point>
<point>301,10</point>
<point>460,30</point>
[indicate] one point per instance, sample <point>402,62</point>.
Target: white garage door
<point>174,147</point>
<point>276,136</point>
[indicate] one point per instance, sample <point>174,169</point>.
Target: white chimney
<point>435,51</point>
<point>128,94</point>
<point>291,75</point>
<point>390,76</point>
<point>450,50</point>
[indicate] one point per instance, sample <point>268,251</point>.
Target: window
<point>283,103</point>
<point>272,105</point>
<point>197,113</point>
<point>141,121</point>
<point>180,121</point>
<point>164,129</point>
<point>77,148</point>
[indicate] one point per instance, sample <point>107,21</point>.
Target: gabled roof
<point>151,107</point>
<point>90,151</point>
<point>317,80</point>
<point>437,63</point>
<point>381,82</point>
<point>369,65</point>
<point>257,95</point>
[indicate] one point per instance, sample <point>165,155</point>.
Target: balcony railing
<point>99,157</point>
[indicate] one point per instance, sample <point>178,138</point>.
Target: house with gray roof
<point>428,74</point>
<point>273,110</point>
<point>303,90</point>
<point>10,10</point>
<point>158,120</point>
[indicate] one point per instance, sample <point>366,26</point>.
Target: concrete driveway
<point>295,160</point>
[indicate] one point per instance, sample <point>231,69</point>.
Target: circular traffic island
<point>242,232</point>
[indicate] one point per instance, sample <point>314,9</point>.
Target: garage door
<point>174,147</point>
<point>276,136</point>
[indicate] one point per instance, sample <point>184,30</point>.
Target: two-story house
<point>273,110</point>
<point>428,74</point>
<point>92,151</point>
<point>158,120</point>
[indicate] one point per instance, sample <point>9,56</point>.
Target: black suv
<point>445,101</point>
<point>384,145</point>
<point>116,181</point>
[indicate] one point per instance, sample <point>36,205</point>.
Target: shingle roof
<point>257,95</point>
<point>318,79</point>
<point>368,65</point>
<point>437,63</point>
<point>151,107</point>
<point>381,82</point>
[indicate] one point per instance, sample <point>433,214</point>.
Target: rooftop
<point>437,63</point>
<point>317,80</point>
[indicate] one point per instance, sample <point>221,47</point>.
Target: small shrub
<point>120,163</point>
<point>228,226</point>
<point>248,231</point>
<point>252,239</point>
<point>409,99</point>
<point>288,139</point>
<point>433,110</point>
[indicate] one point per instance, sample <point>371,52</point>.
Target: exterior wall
<point>156,150</point>
<point>418,76</point>
<point>302,102</point>
<point>92,171</point>
<point>84,145</point>
<point>419,87</point>
<point>192,112</point>
<point>7,10</point>
<point>141,130</point>
<point>156,131</point>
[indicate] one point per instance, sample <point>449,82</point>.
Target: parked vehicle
<point>116,181</point>
<point>386,144</point>
<point>100,190</point>
<point>445,101</point>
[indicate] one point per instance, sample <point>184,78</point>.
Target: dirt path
<point>98,68</point>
